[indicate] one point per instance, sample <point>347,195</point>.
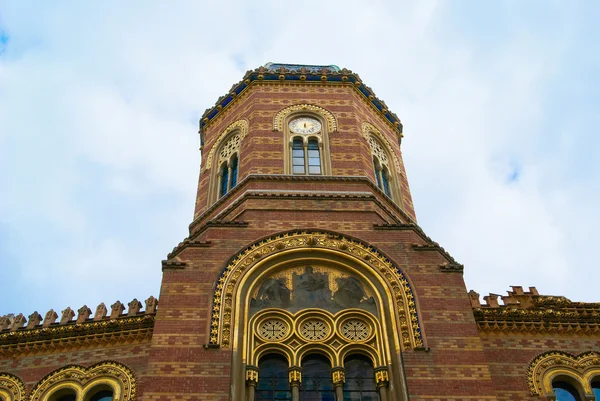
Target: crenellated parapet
<point>528,311</point>
<point>37,333</point>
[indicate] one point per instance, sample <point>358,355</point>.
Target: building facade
<point>305,276</point>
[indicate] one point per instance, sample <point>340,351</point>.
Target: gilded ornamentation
<point>117,375</point>
<point>338,377</point>
<point>11,387</point>
<point>242,125</point>
<point>356,330</point>
<point>251,374</point>
<point>314,330</point>
<point>279,117</point>
<point>400,288</point>
<point>382,377</point>
<point>369,132</point>
<point>295,375</point>
<point>548,365</point>
<point>273,329</point>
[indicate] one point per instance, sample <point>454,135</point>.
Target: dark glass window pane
<point>360,379</point>
<point>273,381</point>
<point>298,169</point>
<point>234,172</point>
<point>316,379</point>
<point>312,144</point>
<point>314,169</point>
<point>376,173</point>
<point>68,397</point>
<point>224,179</point>
<point>565,392</point>
<point>298,144</point>
<point>104,395</point>
<point>386,182</point>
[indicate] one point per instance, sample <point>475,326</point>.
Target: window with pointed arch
<point>307,152</point>
<point>385,176</point>
<point>227,162</point>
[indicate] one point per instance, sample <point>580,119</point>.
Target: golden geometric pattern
<point>242,125</point>
<point>314,330</point>
<point>279,117</point>
<point>403,297</point>
<point>117,375</point>
<point>232,145</point>
<point>273,329</point>
<point>582,368</point>
<point>368,131</point>
<point>356,330</point>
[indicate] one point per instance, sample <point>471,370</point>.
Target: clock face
<point>305,125</point>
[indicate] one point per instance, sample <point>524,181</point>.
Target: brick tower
<point>305,273</point>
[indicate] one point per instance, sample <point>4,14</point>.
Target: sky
<point>99,110</point>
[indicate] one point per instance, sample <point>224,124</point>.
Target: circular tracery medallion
<point>356,330</point>
<point>273,329</point>
<point>314,330</point>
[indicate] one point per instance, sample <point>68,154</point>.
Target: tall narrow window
<point>314,157</point>
<point>385,181</point>
<point>224,179</point>
<point>234,171</point>
<point>316,379</point>
<point>360,379</point>
<point>273,381</point>
<point>565,391</point>
<point>298,156</point>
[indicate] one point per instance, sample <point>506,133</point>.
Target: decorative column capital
<point>382,377</point>
<point>295,375</point>
<point>338,376</point>
<point>251,375</point>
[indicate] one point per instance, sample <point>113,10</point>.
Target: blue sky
<point>99,105</point>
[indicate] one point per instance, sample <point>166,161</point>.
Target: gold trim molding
<point>280,116</point>
<point>582,368</point>
<point>11,387</point>
<point>242,125</point>
<point>80,379</point>
<point>400,290</point>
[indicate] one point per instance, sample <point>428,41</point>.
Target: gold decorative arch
<point>368,130</point>
<point>280,117</point>
<point>242,125</point>
<point>400,291</point>
<point>582,368</point>
<point>80,379</point>
<point>11,387</point>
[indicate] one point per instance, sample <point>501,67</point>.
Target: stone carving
<point>273,329</point>
<point>18,322</point>
<point>151,304</point>
<point>12,385</point>
<point>134,307</point>
<point>67,315</point>
<point>4,322</point>
<point>369,132</point>
<point>34,319</point>
<point>50,318</point>
<point>551,363</point>
<point>116,309</point>
<point>83,314</point>
<point>242,125</point>
<point>100,312</point>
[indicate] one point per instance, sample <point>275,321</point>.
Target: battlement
<point>529,311</point>
<point>18,334</point>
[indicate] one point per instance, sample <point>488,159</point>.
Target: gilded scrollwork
<point>400,289</point>
<point>582,368</point>
<point>114,374</point>
<point>242,126</point>
<point>280,116</point>
<point>11,387</point>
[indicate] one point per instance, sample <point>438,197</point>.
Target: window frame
<point>322,139</point>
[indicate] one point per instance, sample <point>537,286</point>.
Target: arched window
<point>360,379</point>
<point>317,383</point>
<point>307,138</point>
<point>102,395</point>
<point>273,381</point>
<point>383,168</point>
<point>565,391</point>
<point>223,161</point>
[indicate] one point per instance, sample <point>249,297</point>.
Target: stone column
<point>382,378</point>
<point>295,376</point>
<point>251,381</point>
<point>338,376</point>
